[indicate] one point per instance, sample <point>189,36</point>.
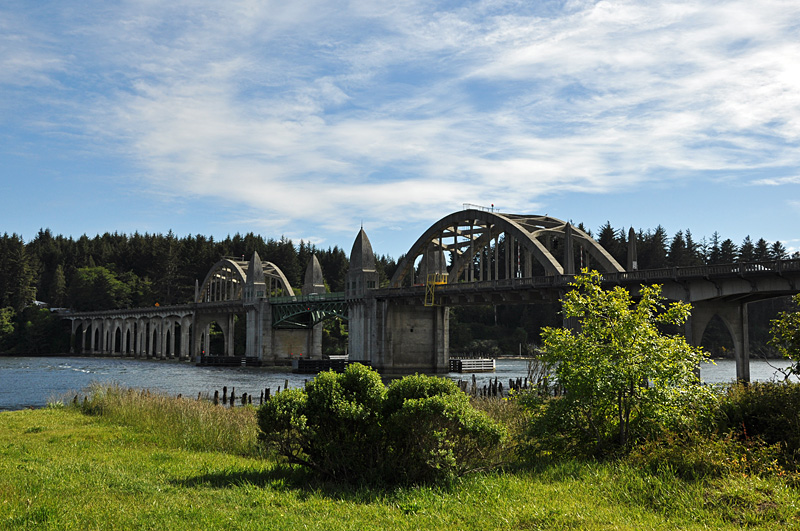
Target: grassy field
<point>63,469</point>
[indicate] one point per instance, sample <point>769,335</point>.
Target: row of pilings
<point>492,389</point>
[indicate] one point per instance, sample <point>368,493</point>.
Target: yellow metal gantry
<point>433,280</point>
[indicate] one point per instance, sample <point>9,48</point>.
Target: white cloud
<point>779,181</point>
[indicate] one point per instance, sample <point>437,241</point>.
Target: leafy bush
<point>435,432</point>
<point>785,336</point>
<point>414,387</point>
<point>698,455</point>
<point>349,427</point>
<point>767,411</point>
<point>624,378</point>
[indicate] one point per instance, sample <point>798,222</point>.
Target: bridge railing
<point>312,297</point>
<point>124,312</point>
<point>744,268</point>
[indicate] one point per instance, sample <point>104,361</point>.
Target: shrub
<point>435,434</point>
<point>767,411</point>
<point>417,386</point>
<point>696,455</point>
<point>623,376</point>
<point>348,427</point>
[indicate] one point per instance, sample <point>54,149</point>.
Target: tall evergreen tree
<point>652,248</point>
<point>761,253</point>
<point>747,251</point>
<point>778,252</point>
<point>58,288</point>
<point>714,252</point>
<point>728,252</point>
<point>20,285</point>
<point>678,253</point>
<point>693,251</point>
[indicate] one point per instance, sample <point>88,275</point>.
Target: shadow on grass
<point>278,476</point>
<point>304,484</point>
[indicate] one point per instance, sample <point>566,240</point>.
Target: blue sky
<point>308,119</point>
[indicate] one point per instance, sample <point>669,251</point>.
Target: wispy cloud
<point>778,181</point>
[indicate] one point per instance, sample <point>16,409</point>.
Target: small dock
<point>229,361</point>
<point>472,365</point>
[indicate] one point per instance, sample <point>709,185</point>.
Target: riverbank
<point>64,470</point>
<point>35,381</point>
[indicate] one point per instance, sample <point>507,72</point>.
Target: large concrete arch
<point>466,233</point>
<point>226,279</point>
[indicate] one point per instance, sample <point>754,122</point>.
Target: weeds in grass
<point>176,422</point>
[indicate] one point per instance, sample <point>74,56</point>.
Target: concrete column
<point>156,334</point>
<point>172,338</point>
<point>142,332</point>
<point>528,264</point>
<point>186,338</point>
<point>91,336</point>
<point>506,254</point>
<point>569,253</point>
<point>254,336</point>
<point>229,344</point>
<point>481,264</point>
<point>264,324</point>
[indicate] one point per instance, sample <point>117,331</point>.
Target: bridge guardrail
<point>312,297</point>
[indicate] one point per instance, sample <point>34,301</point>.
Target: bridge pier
<point>276,346</point>
<point>411,338</point>
<point>734,316</point>
<point>396,336</point>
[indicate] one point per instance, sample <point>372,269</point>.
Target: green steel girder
<point>306,313</point>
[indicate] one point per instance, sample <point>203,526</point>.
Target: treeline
<point>120,271</point>
<point>656,250</point>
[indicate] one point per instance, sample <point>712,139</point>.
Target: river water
<point>35,381</point>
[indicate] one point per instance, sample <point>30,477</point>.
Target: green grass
<point>63,469</point>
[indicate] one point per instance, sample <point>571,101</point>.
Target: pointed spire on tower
<point>255,270</point>
<point>313,282</point>
<point>362,274</point>
<point>361,256</point>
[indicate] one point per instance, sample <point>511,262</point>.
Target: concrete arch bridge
<point>472,256</point>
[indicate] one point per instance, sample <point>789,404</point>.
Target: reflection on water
<point>32,382</point>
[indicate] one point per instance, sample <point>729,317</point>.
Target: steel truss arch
<point>467,234</point>
<point>226,279</point>
<point>306,312</point>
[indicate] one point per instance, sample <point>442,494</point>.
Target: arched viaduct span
<point>232,288</point>
<point>472,256</point>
